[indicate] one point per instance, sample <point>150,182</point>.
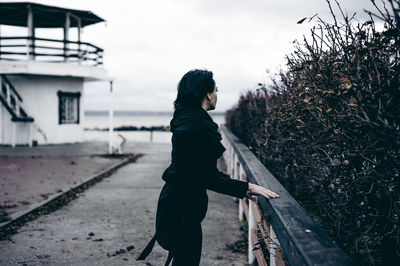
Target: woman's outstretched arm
<point>192,157</point>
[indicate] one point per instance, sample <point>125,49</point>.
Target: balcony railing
<point>50,50</point>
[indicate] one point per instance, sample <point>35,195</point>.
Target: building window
<point>68,107</point>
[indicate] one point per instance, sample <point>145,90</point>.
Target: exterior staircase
<point>11,100</point>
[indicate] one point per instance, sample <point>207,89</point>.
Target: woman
<point>196,146</point>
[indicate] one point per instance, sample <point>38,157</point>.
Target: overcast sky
<point>150,44</point>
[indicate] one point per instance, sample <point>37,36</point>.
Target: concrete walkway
<point>26,182</point>
<point>117,215</point>
<point>29,175</point>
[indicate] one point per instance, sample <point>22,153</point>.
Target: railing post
<point>81,53</point>
<point>99,57</point>
<point>17,111</point>
<point>234,166</point>
<point>231,159</point>
<point>227,155</point>
<point>66,35</point>
<point>237,170</point>
<point>8,96</point>
<point>252,226</point>
<point>242,178</point>
<point>241,211</point>
<point>273,247</point>
<point>31,35</point>
<point>78,20</point>
<point>111,114</point>
<point>14,131</point>
<point>231,154</point>
<point>30,134</point>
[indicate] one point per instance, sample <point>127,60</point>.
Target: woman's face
<point>213,98</point>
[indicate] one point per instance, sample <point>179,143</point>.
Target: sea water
<point>95,120</point>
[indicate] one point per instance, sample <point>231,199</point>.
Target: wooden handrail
<point>302,240</point>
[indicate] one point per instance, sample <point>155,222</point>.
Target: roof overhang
<point>44,16</point>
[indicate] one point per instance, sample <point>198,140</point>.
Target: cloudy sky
<point>150,44</point>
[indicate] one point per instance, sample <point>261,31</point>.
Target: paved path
<point>25,181</point>
<point>115,214</point>
<point>28,175</point>
<point>73,149</point>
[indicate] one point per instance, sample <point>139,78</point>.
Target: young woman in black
<point>196,146</point>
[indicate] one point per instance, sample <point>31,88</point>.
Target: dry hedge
<point>329,131</point>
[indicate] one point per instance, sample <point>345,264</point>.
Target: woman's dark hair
<point>193,86</point>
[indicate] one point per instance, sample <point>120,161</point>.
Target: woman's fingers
<point>272,194</point>
<point>264,192</point>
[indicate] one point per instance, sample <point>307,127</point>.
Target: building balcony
<point>50,50</point>
<point>35,55</point>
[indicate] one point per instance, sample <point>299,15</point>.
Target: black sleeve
<point>226,185</point>
<point>194,156</point>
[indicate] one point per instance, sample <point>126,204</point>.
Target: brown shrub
<point>330,133</point>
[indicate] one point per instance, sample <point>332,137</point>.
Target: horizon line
<point>140,112</point>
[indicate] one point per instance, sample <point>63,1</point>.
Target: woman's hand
<point>258,190</point>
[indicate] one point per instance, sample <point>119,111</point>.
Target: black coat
<point>183,200</point>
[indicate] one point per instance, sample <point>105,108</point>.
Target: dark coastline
<point>131,128</point>
<point>133,113</point>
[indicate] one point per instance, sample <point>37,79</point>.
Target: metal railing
<point>50,50</point>
<point>280,230</point>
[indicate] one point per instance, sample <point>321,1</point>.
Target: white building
<point>42,79</point>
